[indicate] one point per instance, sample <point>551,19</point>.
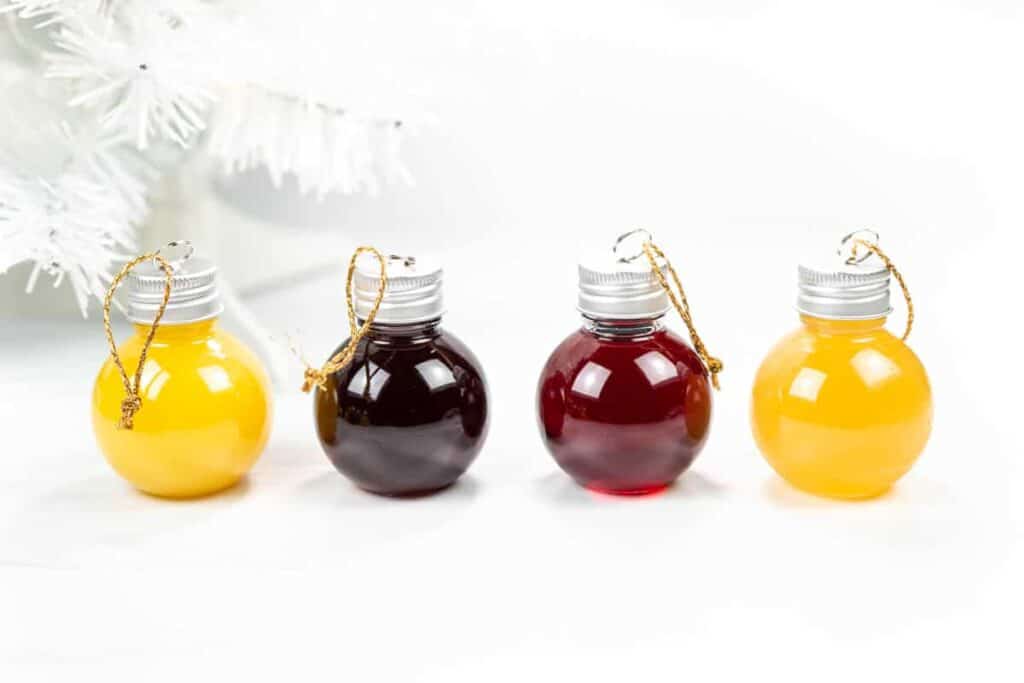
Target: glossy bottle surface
<point>408,415</point>
<point>205,414</point>
<point>624,412</point>
<point>841,408</point>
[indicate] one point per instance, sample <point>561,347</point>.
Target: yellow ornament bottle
<point>193,418</point>
<point>841,408</point>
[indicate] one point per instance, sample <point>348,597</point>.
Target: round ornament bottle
<point>625,403</point>
<point>401,406</point>
<point>841,408</point>
<point>181,408</point>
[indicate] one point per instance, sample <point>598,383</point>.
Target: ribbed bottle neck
<point>835,327</point>
<point>623,330</point>
<point>178,332</point>
<point>407,333</point>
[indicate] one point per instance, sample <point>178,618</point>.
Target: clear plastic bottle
<point>206,401</point>
<point>624,404</point>
<point>409,414</point>
<point>841,407</point>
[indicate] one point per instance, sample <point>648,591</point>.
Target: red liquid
<point>408,415</point>
<point>624,415</point>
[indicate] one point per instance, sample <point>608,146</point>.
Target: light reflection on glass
<point>377,376</point>
<point>590,381</point>
<point>807,384</point>
<point>436,374</point>
<point>656,367</point>
<point>153,378</point>
<point>215,377</point>
<point>215,347</point>
<point>873,367</point>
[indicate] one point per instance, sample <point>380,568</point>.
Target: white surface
<point>741,137</point>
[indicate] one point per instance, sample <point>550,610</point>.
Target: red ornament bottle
<point>408,414</point>
<point>624,404</point>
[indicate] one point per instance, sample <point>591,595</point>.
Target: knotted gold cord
<point>877,251</point>
<point>653,253</point>
<point>132,402</point>
<point>318,377</point>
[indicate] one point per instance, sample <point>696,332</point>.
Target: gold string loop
<point>318,376</point>
<point>873,248</point>
<point>653,253</point>
<point>132,402</point>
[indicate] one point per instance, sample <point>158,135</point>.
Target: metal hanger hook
<point>853,258</point>
<point>175,259</point>
<point>625,236</point>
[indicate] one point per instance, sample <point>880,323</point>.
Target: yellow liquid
<point>205,414</point>
<point>841,408</point>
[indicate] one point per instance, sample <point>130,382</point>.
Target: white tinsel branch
<point>70,197</point>
<point>144,72</point>
<point>32,9</point>
<point>128,76</point>
<point>324,148</point>
<point>73,227</point>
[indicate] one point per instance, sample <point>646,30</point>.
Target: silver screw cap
<point>414,291</point>
<point>848,286</point>
<point>618,284</point>
<point>194,295</point>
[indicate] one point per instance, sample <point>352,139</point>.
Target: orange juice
<point>841,408</point>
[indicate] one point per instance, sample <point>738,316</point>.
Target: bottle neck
<point>404,333</point>
<point>826,326</point>
<point>178,331</point>
<point>623,330</point>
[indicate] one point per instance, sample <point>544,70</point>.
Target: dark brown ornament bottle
<point>408,415</point>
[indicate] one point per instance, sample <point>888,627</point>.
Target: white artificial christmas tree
<point>101,97</point>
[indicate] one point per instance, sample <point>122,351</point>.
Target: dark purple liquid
<point>624,416</point>
<point>408,415</point>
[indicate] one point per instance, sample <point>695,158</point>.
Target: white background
<point>744,138</point>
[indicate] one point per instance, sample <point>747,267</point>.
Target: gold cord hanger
<point>132,402</point>
<point>318,376</point>
<point>871,246</point>
<point>682,306</point>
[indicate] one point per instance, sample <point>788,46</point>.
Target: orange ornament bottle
<point>195,416</point>
<point>841,408</point>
